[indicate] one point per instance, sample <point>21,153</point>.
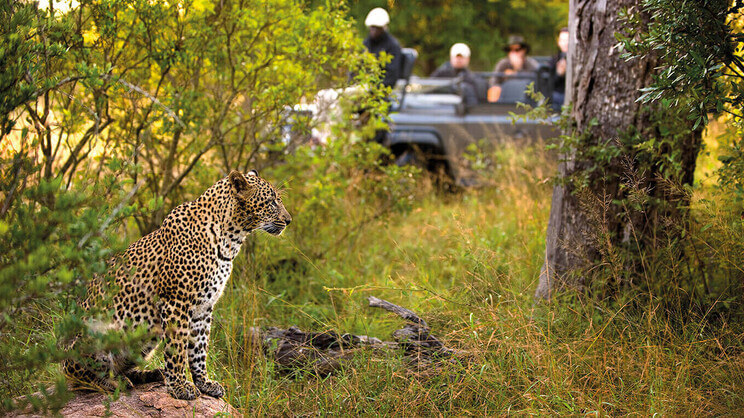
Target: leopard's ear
<point>239,183</point>
<point>253,173</point>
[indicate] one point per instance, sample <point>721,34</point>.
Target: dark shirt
<point>472,86</point>
<point>559,81</point>
<point>387,43</point>
<point>530,66</point>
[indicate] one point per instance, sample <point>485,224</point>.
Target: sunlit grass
<point>707,163</point>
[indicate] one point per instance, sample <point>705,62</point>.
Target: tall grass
<point>469,264</point>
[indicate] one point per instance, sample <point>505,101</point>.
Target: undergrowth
<point>469,263</point>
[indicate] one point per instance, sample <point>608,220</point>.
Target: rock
<point>148,400</point>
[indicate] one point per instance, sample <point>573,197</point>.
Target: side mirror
<point>408,58</point>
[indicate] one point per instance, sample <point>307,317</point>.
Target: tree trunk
<point>586,221</point>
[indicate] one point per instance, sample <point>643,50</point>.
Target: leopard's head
<point>258,204</point>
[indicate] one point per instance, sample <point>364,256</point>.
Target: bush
<point>53,242</point>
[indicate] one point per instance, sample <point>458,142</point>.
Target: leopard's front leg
<point>175,315</point>
<point>201,325</point>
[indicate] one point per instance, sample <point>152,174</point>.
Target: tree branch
<point>188,169</point>
<point>402,312</point>
<point>153,99</point>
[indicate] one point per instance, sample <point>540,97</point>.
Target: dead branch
<point>324,352</point>
<point>404,313</point>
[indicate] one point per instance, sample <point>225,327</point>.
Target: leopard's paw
<point>183,389</point>
<point>211,388</point>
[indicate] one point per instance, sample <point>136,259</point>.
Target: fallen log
<point>323,353</point>
<point>404,313</point>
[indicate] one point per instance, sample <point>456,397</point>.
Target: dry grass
<point>469,263</point>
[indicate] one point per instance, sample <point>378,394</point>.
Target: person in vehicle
<point>380,40</point>
<point>457,66</point>
<point>558,69</point>
<point>515,62</point>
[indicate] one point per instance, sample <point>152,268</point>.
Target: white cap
<point>377,17</point>
<point>459,49</point>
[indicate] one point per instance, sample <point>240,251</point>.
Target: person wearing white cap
<point>457,66</point>
<point>380,40</point>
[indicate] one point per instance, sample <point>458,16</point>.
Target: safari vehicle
<point>431,126</point>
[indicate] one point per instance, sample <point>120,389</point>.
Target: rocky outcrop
<point>149,400</point>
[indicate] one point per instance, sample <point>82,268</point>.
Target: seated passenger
<point>515,62</point>
<point>380,40</point>
<point>558,69</point>
<point>457,66</point>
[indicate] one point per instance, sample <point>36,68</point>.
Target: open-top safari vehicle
<point>431,125</point>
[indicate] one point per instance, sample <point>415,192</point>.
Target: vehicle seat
<point>408,58</point>
<point>512,90</point>
<point>545,80</point>
<point>481,89</point>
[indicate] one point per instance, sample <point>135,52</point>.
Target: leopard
<point>169,282</point>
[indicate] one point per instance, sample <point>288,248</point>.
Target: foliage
<point>432,27</point>
<point>16,59</point>
<point>180,90</point>
<point>53,241</point>
<point>152,99</point>
<point>228,72</point>
<point>31,49</point>
<point>700,47</point>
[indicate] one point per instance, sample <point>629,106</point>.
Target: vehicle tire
<point>411,156</point>
<point>432,165</point>
<point>441,177</point>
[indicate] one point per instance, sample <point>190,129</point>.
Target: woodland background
<point>116,111</point>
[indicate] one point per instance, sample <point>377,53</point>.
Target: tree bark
<point>603,89</point>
